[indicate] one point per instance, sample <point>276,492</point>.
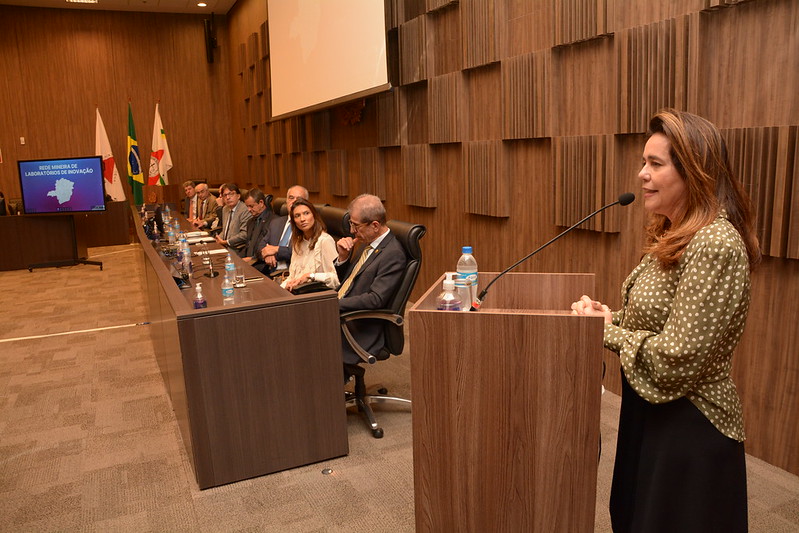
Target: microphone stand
<point>624,199</point>
<point>211,272</point>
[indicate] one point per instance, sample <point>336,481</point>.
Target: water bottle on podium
<point>466,279</point>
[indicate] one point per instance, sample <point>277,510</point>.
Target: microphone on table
<point>624,199</point>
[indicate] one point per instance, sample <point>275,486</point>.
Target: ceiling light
<point>82,1</point>
<point>201,4</point>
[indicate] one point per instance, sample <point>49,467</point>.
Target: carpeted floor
<point>88,441</point>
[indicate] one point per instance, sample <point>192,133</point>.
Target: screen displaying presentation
<point>62,185</point>
<point>323,53</point>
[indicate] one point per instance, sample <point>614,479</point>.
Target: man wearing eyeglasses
<point>234,219</point>
<point>275,247</point>
<point>370,265</point>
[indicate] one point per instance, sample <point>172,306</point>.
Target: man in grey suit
<point>234,219</point>
<point>257,227</point>
<point>275,247</point>
<point>370,267</point>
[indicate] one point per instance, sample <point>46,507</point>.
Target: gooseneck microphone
<point>624,199</point>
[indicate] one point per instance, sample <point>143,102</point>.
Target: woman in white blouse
<point>313,250</point>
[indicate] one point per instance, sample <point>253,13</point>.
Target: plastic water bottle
<point>199,299</point>
<point>170,234</point>
<point>449,299</point>
<point>227,288</point>
<point>230,266</point>
<point>467,270</point>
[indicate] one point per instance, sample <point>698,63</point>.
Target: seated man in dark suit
<point>370,266</point>
<point>234,219</point>
<point>257,227</point>
<point>275,247</point>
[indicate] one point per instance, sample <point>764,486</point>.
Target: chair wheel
<point>382,391</point>
<point>377,433</point>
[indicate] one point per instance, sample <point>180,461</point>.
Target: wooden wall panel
<point>413,52</point>
<point>337,172</point>
<point>585,75</point>
<point>373,176</point>
<point>444,46</point>
<point>479,33</point>
<point>583,88</point>
<point>419,184</point>
<point>487,182</point>
<point>585,179</point>
<point>310,172</point>
<point>623,14</point>
<point>524,27</point>
<point>445,98</point>
<point>388,116</point>
<point>317,131</point>
<point>413,111</point>
<point>748,53</point>
<point>59,65</point>
<point>653,65</point>
<point>525,92</point>
<point>579,20</point>
<point>764,160</point>
<point>483,103</point>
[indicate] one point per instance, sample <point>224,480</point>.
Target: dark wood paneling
<point>612,63</point>
<point>59,64</point>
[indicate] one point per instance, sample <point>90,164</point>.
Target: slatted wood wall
<point>509,120</point>
<point>59,65</point>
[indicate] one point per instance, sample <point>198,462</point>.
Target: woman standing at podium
<point>313,250</point>
<point>680,463</point>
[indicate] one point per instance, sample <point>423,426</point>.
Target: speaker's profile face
<point>663,187</point>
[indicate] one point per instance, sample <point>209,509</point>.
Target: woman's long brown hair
<point>699,154</point>
<point>296,233</point>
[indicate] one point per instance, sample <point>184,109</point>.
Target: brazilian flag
<point>135,175</point>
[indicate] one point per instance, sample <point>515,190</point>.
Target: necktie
<point>348,282</point>
<point>284,240</point>
<point>229,222</point>
<point>196,208</point>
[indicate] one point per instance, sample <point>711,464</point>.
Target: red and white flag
<point>113,185</point>
<point>160,160</point>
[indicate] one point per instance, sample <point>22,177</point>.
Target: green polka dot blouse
<point>677,329</point>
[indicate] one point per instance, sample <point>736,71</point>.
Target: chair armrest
<point>351,316</point>
<point>381,314</point>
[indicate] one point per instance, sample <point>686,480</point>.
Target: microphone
<point>624,199</point>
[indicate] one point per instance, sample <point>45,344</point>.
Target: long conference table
<point>256,383</point>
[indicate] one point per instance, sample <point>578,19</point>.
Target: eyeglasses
<point>229,194</point>
<point>357,225</point>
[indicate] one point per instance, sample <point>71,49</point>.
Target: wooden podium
<point>506,406</point>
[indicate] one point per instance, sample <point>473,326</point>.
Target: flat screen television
<point>62,186</point>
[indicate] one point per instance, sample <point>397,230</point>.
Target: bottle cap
<point>449,283</point>
<point>466,250</point>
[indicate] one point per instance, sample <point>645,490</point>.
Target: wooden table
<point>256,384</point>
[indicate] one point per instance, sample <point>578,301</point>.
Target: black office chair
<point>408,235</point>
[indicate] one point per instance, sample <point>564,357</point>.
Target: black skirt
<point>674,471</point>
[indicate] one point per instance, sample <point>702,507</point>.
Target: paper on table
<point>195,240</point>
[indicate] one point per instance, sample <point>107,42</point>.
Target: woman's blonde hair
<point>699,154</point>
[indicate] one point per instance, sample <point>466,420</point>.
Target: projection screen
<point>324,52</point>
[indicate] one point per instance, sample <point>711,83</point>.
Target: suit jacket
<point>237,233</point>
<point>372,288</point>
<point>272,237</point>
<point>208,212</point>
<point>187,206</point>
<point>257,228</point>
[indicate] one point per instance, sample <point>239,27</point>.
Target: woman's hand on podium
<point>589,307</point>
